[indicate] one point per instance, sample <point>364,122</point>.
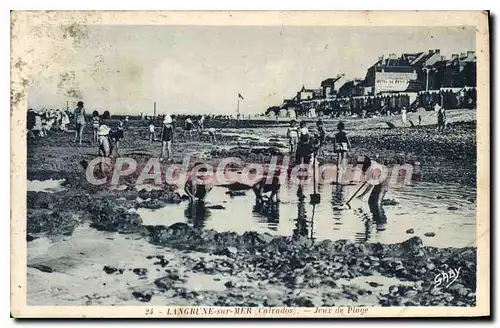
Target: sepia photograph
<point>250,164</point>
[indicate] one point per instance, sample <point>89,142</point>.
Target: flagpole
<point>238,113</point>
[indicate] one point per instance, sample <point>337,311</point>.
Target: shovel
<point>354,195</point>
<point>315,197</point>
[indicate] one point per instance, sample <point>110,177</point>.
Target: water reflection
<point>376,208</point>
<point>338,196</point>
<point>301,228</point>
<point>267,211</point>
<point>196,214</point>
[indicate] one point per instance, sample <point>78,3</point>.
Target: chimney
<point>437,51</point>
<point>462,54</point>
<point>380,58</point>
<point>470,53</point>
<point>454,56</point>
<point>431,51</point>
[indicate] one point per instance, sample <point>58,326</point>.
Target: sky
<point>197,69</point>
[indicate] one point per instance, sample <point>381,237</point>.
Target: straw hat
<point>167,119</point>
<point>103,130</point>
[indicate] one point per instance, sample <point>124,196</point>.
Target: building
<point>404,73</point>
<point>460,71</point>
<point>304,94</point>
<point>328,87</point>
<point>352,88</point>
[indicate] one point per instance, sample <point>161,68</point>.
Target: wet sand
<point>82,232</point>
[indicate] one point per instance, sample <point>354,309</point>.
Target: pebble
<point>452,208</point>
<point>216,207</point>
<point>435,291</point>
<point>430,266</point>
<point>143,297</point>
<point>429,234</point>
<point>411,293</point>
<point>410,231</point>
<point>230,284</point>
<point>109,270</point>
<point>140,271</point>
<point>41,267</point>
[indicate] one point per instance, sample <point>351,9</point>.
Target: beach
<point>132,244</point>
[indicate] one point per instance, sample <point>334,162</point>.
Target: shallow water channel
<point>447,213</point>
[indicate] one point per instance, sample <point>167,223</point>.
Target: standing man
<point>79,121</point>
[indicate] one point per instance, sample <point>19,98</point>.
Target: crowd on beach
<point>302,143</point>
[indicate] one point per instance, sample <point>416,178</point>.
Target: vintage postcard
<point>250,164</point>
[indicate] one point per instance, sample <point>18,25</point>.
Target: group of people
<point>442,121</point>
<point>168,127</point>
<point>302,145</point>
<point>40,122</point>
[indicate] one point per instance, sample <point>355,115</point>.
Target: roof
<point>330,81</point>
<point>398,69</point>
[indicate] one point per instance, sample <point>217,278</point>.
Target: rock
<point>299,302</point>
<point>393,290</point>
<point>452,208</point>
<point>459,289</point>
<point>41,267</point>
<point>398,265</point>
<point>119,220</point>
<point>30,237</point>
<point>149,257</point>
<point>436,291</point>
<point>329,282</point>
<point>234,193</point>
<point>429,234</point>
<point>229,251</point>
<point>109,270</point>
<point>439,197</point>
<point>337,266</point>
<point>230,284</point>
<point>164,283</point>
<point>140,271</point>
<point>389,202</point>
<point>215,207</point>
<point>374,284</point>
<point>271,302</point>
<point>162,262</point>
<point>413,244</point>
<point>143,297</point>
<point>410,231</point>
<point>411,293</point>
<point>52,223</point>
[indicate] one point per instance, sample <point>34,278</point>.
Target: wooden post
<point>154,110</point>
